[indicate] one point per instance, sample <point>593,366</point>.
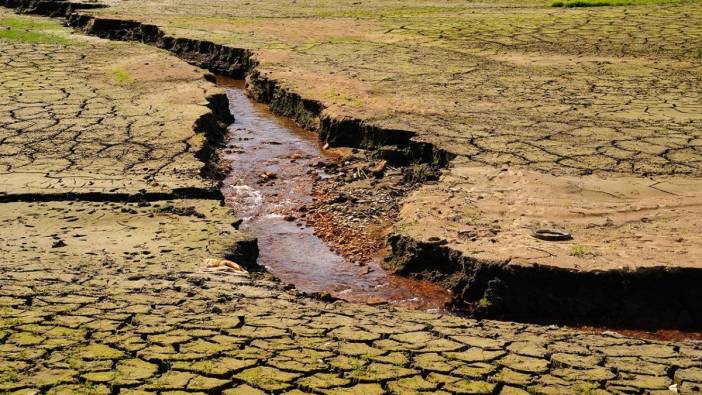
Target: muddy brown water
<point>259,143</point>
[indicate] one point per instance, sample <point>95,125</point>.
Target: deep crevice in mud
<point>213,126</point>
<point>274,166</point>
<point>398,146</point>
<point>344,132</point>
<point>117,197</point>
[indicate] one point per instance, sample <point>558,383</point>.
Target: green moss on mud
<point>9,33</point>
<point>29,24</point>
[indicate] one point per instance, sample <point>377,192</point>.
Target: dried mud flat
<point>110,211</point>
<point>608,93</point>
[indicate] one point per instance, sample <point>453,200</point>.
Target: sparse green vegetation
<point>484,302</point>
<point>359,367</point>
<point>579,250</point>
<point>121,76</point>
<point>11,34</point>
<point>30,31</point>
<point>29,24</point>
<point>587,388</point>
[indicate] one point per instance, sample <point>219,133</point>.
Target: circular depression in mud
<point>272,174</point>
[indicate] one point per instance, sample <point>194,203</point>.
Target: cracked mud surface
<point>610,93</point>
<point>96,330</point>
<point>158,237</point>
<point>113,297</point>
<point>616,222</point>
<point>93,330</point>
<point>95,116</point>
<point>612,89</point>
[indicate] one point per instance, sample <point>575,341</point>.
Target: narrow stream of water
<point>272,173</point>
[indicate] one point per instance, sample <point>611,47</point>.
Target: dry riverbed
<point>113,279</point>
<point>609,94</point>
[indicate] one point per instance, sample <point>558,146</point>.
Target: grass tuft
<point>121,76</point>
<point>579,251</point>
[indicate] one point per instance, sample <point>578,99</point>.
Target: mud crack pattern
<point>79,117</point>
<point>98,331</point>
<point>114,298</point>
<point>605,89</point>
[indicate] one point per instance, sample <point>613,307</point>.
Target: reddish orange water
<point>259,142</point>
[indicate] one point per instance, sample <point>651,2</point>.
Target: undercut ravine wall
<point>214,126</point>
<point>655,297</point>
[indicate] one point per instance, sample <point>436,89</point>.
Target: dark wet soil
<point>274,165</point>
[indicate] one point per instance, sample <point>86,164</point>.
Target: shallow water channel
<point>259,143</point>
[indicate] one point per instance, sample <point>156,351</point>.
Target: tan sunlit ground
<point>610,89</point>
<point>614,91</point>
<point>103,297</point>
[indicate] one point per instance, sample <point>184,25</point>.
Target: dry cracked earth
<point>100,295</point>
<point>601,106</point>
<point>611,89</point>
<point>91,116</point>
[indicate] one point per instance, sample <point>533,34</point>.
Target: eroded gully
<point>272,174</point>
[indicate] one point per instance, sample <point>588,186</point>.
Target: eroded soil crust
<point>108,297</point>
<point>525,87</point>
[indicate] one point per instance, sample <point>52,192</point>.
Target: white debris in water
<point>245,198</point>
